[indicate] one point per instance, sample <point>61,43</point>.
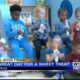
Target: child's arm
<point>26,32</point>
<point>49,58</point>
<point>11,34</point>
<point>62,57</point>
<point>62,54</point>
<point>1,44</point>
<point>53,28</point>
<point>47,29</point>
<point>35,26</point>
<point>72,32</point>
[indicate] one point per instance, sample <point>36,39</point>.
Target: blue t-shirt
<point>51,51</point>
<point>61,29</point>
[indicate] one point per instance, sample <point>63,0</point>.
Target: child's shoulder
<point>49,50</point>
<point>21,22</point>
<point>10,21</point>
<point>62,50</point>
<point>72,54</point>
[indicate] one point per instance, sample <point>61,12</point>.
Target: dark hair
<point>15,7</point>
<point>77,10</point>
<point>61,10</point>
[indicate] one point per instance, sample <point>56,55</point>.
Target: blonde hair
<point>58,38</point>
<point>38,9</point>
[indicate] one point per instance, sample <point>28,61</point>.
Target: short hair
<point>62,10</point>
<point>77,10</point>
<point>15,7</point>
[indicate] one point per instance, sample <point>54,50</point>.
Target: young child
<point>74,56</point>
<point>17,34</point>
<point>55,55</point>
<point>40,30</point>
<point>3,55</point>
<point>56,49</point>
<point>63,28</point>
<point>76,26</point>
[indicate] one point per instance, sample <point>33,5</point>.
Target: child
<point>76,26</point>
<point>40,30</point>
<point>63,28</point>
<point>74,56</point>
<point>17,33</point>
<point>60,52</point>
<point>53,55</point>
<point>3,55</point>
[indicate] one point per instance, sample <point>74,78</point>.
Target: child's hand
<point>61,56</point>
<point>40,30</point>
<point>6,47</point>
<point>23,33</point>
<point>57,53</point>
<point>54,55</point>
<point>42,27</point>
<point>1,44</point>
<point>19,32</point>
<point>67,29</point>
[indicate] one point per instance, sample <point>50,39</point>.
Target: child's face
<point>77,48</point>
<point>56,42</point>
<point>62,16</point>
<point>78,25</point>
<point>42,13</point>
<point>78,15</point>
<point>15,15</point>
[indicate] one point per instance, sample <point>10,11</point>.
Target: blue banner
<point>39,66</point>
<point>35,64</point>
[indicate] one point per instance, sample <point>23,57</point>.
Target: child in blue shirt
<point>60,52</point>
<point>61,28</point>
<point>17,33</point>
<point>55,55</point>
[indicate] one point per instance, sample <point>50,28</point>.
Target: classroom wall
<point>24,2</point>
<point>55,5</point>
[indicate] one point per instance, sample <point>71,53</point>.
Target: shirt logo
<point>17,27</point>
